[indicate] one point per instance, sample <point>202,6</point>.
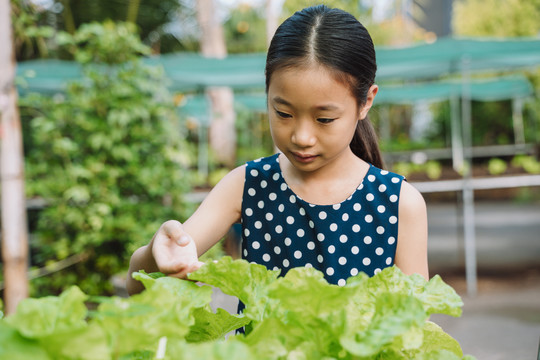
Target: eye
<point>325,120</point>
<point>283,115</point>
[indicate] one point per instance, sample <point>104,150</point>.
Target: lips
<point>303,158</point>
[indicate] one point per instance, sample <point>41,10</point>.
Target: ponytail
<point>365,144</point>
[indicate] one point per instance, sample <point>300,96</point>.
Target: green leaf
<point>51,315</point>
<point>213,326</point>
<point>248,282</point>
<point>16,347</point>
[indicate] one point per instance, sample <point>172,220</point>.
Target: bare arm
<point>411,252</point>
<point>175,248</point>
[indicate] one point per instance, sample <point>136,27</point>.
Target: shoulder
<point>410,199</point>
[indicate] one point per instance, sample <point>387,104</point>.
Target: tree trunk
<point>222,126</point>
<point>14,225</point>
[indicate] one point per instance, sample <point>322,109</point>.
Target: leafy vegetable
<point>298,316</point>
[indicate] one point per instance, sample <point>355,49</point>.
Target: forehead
<point>311,81</point>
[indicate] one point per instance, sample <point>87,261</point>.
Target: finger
<point>173,229</point>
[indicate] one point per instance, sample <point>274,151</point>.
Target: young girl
<point>323,200</point>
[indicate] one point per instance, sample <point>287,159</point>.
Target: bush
<point>109,157</point>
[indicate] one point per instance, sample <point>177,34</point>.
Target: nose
<point>303,134</point>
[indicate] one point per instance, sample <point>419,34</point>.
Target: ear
<point>369,101</point>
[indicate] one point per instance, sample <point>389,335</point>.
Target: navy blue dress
<point>282,231</point>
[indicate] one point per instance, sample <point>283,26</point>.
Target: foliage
<point>501,18</point>
<point>245,30</point>
<point>370,318</point>
<point>30,34</point>
<point>109,158</point>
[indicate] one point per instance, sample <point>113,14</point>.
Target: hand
<point>174,250</point>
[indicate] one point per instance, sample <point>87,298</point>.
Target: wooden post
<point>222,125</point>
<point>14,224</point>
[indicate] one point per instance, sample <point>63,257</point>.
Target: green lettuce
<point>297,316</point>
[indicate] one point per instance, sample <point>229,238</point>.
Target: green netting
<point>192,72</point>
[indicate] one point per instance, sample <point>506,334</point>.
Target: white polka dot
<point>275,268</point>
<point>311,245</point>
<point>377,270</point>
<point>341,282</point>
<point>368,218</point>
<point>333,227</point>
<point>255,245</point>
<point>330,271</point>
<point>366,261</point>
<point>286,263</point>
<point>272,196</point>
<point>336,206</point>
<point>266,257</point>
<point>381,208</point>
<point>254,172</point>
<point>342,260</point>
<point>266,167</point>
<point>311,224</point>
<point>292,199</point>
<point>281,207</point>
<point>357,207</point>
<point>251,192</point>
<point>260,204</point>
<point>388,260</point>
<point>269,216</point>
<point>393,198</point>
<point>258,224</point>
<point>249,212</point>
<point>245,253</point>
<point>287,241</point>
<point>320,236</point>
<point>391,240</point>
<point>267,237</point>
<point>300,232</point>
<point>264,184</point>
<point>356,228</point>
<point>355,250</point>
<point>246,232</point>
<point>302,211</point>
<point>392,219</point>
<point>257,160</point>
<point>320,258</point>
<point>298,254</point>
<point>395,180</point>
<point>361,186</point>
<point>345,217</point>
<point>343,238</point>
<point>308,265</point>
<point>371,178</point>
<point>283,187</point>
<point>382,188</point>
<point>277,250</point>
<point>276,176</point>
<point>368,240</point>
<point>379,251</point>
<point>331,249</point>
<point>384,172</point>
<point>322,215</point>
<point>279,229</point>
<point>380,230</point>
<point>290,220</point>
<point>354,271</point>
<point>370,197</point>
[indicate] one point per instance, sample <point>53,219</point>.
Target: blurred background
<point>131,110</point>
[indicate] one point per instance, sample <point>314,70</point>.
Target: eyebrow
<point>282,101</point>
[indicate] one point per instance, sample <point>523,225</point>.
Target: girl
<point>323,201</point>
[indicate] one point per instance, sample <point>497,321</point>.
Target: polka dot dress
<point>282,231</point>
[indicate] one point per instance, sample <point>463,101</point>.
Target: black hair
<point>337,40</point>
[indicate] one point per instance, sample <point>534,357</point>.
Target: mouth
<point>303,158</point>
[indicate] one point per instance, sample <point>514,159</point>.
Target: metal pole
<point>468,191</point>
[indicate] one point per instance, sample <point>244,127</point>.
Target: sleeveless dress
<point>282,231</point>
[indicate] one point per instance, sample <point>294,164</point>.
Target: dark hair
<point>335,39</point>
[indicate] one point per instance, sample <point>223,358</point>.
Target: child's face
<point>312,115</point>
